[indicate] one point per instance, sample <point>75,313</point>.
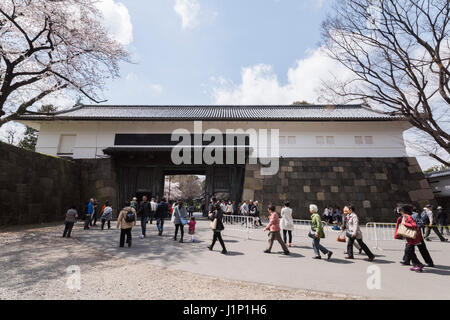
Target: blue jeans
<point>160,224</point>
<point>144,224</point>
<point>317,246</point>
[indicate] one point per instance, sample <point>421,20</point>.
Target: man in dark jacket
<point>162,212</point>
<point>144,211</point>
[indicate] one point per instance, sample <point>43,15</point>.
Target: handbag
<point>341,237</point>
<point>312,234</point>
<point>406,232</point>
<point>214,224</point>
<point>183,221</point>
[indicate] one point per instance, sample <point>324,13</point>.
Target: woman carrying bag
<point>180,218</point>
<point>217,227</point>
<point>407,229</point>
<point>317,233</point>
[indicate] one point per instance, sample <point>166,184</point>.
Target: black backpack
<point>129,217</point>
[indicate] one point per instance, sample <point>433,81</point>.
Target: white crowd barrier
<point>245,224</point>
<point>377,231</point>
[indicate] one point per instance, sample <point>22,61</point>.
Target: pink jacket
<point>191,224</point>
<point>274,223</point>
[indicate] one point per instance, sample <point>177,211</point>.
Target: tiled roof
<point>439,174</point>
<point>219,113</point>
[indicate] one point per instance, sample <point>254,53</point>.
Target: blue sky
<point>187,64</point>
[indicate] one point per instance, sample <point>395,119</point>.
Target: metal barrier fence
<point>303,227</point>
<point>378,232</point>
<point>249,224</point>
<point>245,224</point>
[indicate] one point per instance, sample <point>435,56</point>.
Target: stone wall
<point>35,188</point>
<point>98,180</point>
<point>373,185</point>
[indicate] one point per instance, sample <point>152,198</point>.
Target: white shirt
<point>287,222</point>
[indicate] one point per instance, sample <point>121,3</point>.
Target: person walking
<point>274,231</point>
<point>343,228</point>
<point>442,220</point>
<point>144,212</point>
<point>162,212</point>
<point>126,222</point>
<point>191,209</point>
<point>179,219</point>
<point>153,207</point>
<point>258,214</point>
<point>317,233</point>
<point>217,227</point>
<point>107,215</point>
<point>431,225</point>
<point>95,214</point>
<point>421,246</point>
<point>354,234</point>
<point>191,225</point>
<point>71,218</point>
<point>287,223</point>
<point>409,223</point>
<point>88,214</point>
<point>229,208</point>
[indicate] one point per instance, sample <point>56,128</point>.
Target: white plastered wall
<point>94,136</point>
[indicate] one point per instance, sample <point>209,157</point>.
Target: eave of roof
<point>217,113</point>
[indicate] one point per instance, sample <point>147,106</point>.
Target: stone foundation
<point>373,185</point>
<point>35,188</point>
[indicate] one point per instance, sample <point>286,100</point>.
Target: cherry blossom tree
<point>398,52</point>
<point>53,46</point>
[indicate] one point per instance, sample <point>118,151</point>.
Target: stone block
<point>306,189</point>
<point>248,194</point>
<point>424,184</point>
<point>253,184</point>
<point>367,204</point>
<point>338,169</point>
<point>381,176</point>
<point>321,196</point>
<point>373,189</point>
<point>334,189</point>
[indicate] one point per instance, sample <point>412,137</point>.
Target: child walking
<point>191,224</point>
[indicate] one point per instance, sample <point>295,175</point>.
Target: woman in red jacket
<point>406,211</point>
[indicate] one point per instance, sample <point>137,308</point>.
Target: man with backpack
<point>126,222</point>
<point>429,221</point>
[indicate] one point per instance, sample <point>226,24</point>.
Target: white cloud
<point>137,86</point>
<point>189,11</point>
<point>260,85</point>
<point>118,20</point>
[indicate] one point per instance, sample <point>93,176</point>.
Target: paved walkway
<point>246,261</point>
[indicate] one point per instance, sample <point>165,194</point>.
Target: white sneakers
<point>142,236</point>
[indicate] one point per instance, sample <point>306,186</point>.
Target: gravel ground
<point>34,263</point>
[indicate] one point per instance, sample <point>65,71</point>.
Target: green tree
<point>29,140</point>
